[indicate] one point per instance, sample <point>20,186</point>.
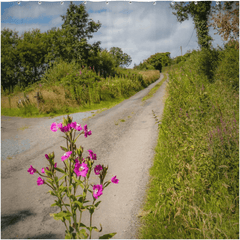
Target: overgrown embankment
<point>69,88</point>
<point>194,186</point>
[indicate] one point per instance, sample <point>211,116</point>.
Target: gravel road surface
<point>123,137</point>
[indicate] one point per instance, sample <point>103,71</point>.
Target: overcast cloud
<point>140,29</point>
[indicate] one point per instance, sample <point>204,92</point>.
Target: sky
<point>140,29</point>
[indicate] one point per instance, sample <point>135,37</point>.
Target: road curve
<point>126,146</point>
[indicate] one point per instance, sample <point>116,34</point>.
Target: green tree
<point>78,29</point>
<point>103,62</point>
<point>226,20</point>
<point>159,60</point>
<point>32,50</point>
<point>200,13</point>
<point>122,59</point>
<point>9,59</point>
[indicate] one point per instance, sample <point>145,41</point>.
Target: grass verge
<point>59,98</point>
<point>194,181</point>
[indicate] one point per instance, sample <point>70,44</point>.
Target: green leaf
<point>73,197</point>
<point>106,184</point>
<point>107,236</point>
<point>61,215</point>
<point>96,205</point>
<point>52,193</point>
<point>57,203</point>
<point>60,170</point>
<point>79,204</point>
<point>64,149</point>
<point>83,234</point>
<point>79,182</point>
<point>61,178</point>
<point>70,235</point>
<point>66,139</point>
<point>82,225</point>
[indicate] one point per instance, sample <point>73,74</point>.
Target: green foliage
<point>79,27</point>
<point>207,61</point>
<point>228,69</point>
<point>155,62</point>
<point>200,13</point>
<point>77,20</point>
<point>144,66</point>
<point>32,50</point>
<point>9,59</point>
<point>103,62</point>
<point>122,59</point>
<point>194,188</point>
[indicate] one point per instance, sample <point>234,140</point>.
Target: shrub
<point>228,69</point>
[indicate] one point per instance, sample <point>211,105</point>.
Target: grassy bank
<point>68,89</point>
<point>194,186</point>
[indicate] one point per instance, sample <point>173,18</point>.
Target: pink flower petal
<point>54,127</point>
<point>40,181</point>
<point>115,180</point>
<point>32,170</point>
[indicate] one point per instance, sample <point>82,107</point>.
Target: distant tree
<point>32,50</point>
<point>122,59</point>
<point>103,62</point>
<point>78,29</point>
<point>9,59</point>
<point>200,13</point>
<point>226,20</point>
<point>159,60</point>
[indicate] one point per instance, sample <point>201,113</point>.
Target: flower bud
<point>80,151</point>
<point>103,174</point>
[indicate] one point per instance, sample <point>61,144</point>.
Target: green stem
<point>90,225</point>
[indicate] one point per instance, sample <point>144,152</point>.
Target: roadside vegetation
<point>68,73</point>
<point>70,88</point>
<point>155,88</point>
<point>194,185</point>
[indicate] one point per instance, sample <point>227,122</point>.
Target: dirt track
<point>126,146</point>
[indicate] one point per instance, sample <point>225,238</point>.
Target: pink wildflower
<point>115,180</point>
<point>81,169</point>
<point>43,170</point>
<point>32,170</point>
<point>55,165</point>
<point>98,169</point>
<point>40,181</point>
<point>46,156</point>
<point>86,131</point>
<point>97,191</point>
<point>54,127</point>
<point>76,126</point>
<point>66,155</point>
<point>92,155</point>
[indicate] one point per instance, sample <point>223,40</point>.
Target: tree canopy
<point>200,13</point>
<point>122,59</point>
<point>225,19</point>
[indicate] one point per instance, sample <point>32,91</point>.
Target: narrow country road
<point>126,146</point>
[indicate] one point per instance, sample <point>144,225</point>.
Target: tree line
<point>25,58</point>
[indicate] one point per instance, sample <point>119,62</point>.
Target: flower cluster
<point>75,168</point>
<point>80,169</point>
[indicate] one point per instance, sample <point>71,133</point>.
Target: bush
<point>207,63</point>
<point>228,69</point>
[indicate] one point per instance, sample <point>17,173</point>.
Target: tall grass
<point>69,88</point>
<point>194,187</point>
